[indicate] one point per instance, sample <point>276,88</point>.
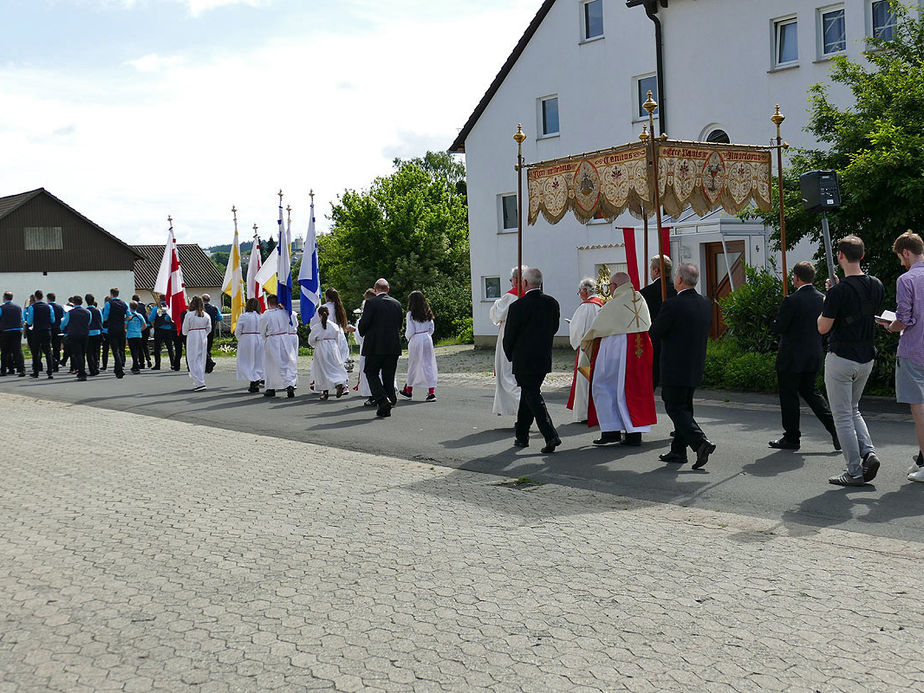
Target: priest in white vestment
<point>581,321</point>
<point>280,359</point>
<point>506,390</point>
<point>618,351</point>
<point>249,345</point>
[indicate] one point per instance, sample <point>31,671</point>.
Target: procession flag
<point>266,275</point>
<point>169,281</point>
<point>308,278</point>
<point>233,283</point>
<point>284,265</point>
<point>254,288</point>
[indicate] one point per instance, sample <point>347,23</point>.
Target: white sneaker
<point>917,476</point>
<point>914,467</point>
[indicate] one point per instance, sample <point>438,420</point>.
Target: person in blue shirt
<point>40,318</point>
<point>56,335</point>
<point>134,326</point>
<point>117,313</point>
<point>164,332</point>
<point>104,337</point>
<point>11,358</point>
<point>145,332</point>
<point>95,336</point>
<point>76,322</point>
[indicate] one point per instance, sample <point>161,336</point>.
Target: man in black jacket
<point>56,334</point>
<point>215,315</point>
<point>682,326</point>
<point>77,323</point>
<point>115,312</point>
<point>532,322</point>
<point>652,296</point>
<point>799,358</point>
<point>380,328</point>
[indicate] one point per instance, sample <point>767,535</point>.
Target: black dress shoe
<point>383,411</point>
<point>550,445</point>
<point>702,455</point>
<point>290,392</point>
<point>269,393</point>
<point>520,443</point>
<point>674,457</point>
<point>632,440</point>
<point>393,400</point>
<point>608,438</point>
<point>783,444</point>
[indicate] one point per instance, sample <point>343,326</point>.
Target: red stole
<point>577,354</point>
<point>639,394</point>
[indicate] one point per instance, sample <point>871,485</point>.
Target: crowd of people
<point>84,336</point>
<point>635,342</point>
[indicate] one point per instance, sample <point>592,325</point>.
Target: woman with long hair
<point>249,345</point>
<point>330,351</point>
<point>421,359</point>
<point>196,327</point>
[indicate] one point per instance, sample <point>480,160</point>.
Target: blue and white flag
<point>308,277</point>
<point>284,266</point>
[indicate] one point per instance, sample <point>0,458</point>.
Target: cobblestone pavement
<point>179,557</point>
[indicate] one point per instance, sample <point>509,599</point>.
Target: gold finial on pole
<point>777,119</point>
<point>170,220</point>
<point>311,195</point>
<point>289,212</point>
<point>255,230</point>
<point>519,137</point>
<point>280,197</point>
<point>650,105</point>
<point>644,134</point>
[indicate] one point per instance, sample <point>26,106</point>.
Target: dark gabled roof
<point>11,203</point>
<point>458,146</point>
<point>198,269</point>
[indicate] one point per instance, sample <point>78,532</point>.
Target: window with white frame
<point>43,238</point>
<point>490,288</point>
<point>592,19</point>
<point>881,20</point>
<point>642,86</point>
<point>785,42</point>
<point>832,31</point>
<point>508,212</point>
<point>548,116</point>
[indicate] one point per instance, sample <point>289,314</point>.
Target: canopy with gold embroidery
<point>604,184</point>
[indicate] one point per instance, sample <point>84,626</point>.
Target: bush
<point>451,301</point>
<point>749,311</point>
<point>729,367</point>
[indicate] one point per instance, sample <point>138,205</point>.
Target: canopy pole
<point>778,119</point>
<point>647,264</point>
<point>731,281</point>
<point>519,136</point>
<point>651,105</point>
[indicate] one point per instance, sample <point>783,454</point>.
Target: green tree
<point>410,227</point>
<point>876,145</point>
<point>220,260</point>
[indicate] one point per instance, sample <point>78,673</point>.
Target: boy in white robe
<point>280,363</point>
<point>506,390</point>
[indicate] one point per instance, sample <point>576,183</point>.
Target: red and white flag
<point>254,288</point>
<point>170,281</point>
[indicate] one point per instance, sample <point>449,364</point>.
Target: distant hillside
<point>245,247</point>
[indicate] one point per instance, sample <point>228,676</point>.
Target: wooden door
<point>717,284</point>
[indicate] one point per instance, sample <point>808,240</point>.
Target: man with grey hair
<point>652,296</point>
<point>581,321</point>
<point>506,390</point>
<point>532,322</point>
<point>682,326</point>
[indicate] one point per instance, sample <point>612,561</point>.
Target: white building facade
<point>576,81</point>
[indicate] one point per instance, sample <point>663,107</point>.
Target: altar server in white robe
<point>330,352</point>
<point>618,351</point>
<point>581,321</point>
<point>506,390</point>
<point>196,327</point>
<point>280,360</point>
<point>421,358</point>
<point>249,345</point>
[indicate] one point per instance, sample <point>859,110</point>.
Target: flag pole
<point>643,136</point>
<point>519,136</point>
<point>651,105</point>
<point>777,119</point>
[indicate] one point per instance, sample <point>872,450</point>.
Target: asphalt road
<point>743,476</point>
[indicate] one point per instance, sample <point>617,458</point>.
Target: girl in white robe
<point>196,327</point>
<point>250,345</point>
<point>337,313</point>
<point>362,385</point>
<point>330,352</point>
<point>421,358</point>
<point>506,390</point>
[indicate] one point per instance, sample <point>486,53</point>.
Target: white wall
<point>65,284</point>
<point>718,71</point>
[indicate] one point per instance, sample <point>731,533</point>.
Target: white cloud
<point>197,7</point>
<point>165,135</point>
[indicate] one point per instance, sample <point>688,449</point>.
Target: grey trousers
<point>844,381</point>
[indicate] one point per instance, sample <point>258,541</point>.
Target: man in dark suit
<point>115,312</point>
<point>532,321</point>
<point>380,328</point>
<point>215,315</point>
<point>682,326</point>
<point>77,323</point>
<point>652,296</point>
<point>56,334</point>
<point>800,357</point>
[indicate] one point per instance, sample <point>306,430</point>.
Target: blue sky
<point>130,110</point>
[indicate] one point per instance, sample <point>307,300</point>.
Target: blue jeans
<point>844,381</point>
